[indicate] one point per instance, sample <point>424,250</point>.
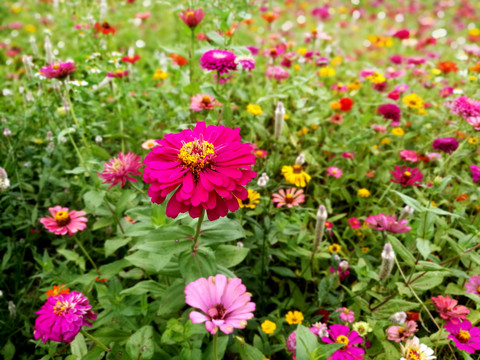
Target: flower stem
<point>95,340</point>
<point>74,117</point>
<point>86,254</point>
<point>215,337</point>
<point>197,231</point>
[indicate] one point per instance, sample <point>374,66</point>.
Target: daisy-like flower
<point>206,168</point>
<point>362,328</point>
<point>334,171</point>
<point>346,315</point>
<point>221,61</point>
<point>268,327</point>
<point>363,193</point>
<point>57,290</point>
<point>62,317</point>
<point>388,223</point>
<point>354,223</point>
<point>406,176</point>
<point>334,248</point>
<point>64,221</point>
<point>473,285</point>
<point>413,101</point>
<point>149,144</point>
<point>251,201</point>
<point>413,350</point>
<point>78,83</point>
<point>294,317</point>
<point>289,197</point>
<point>401,333</point>
<point>201,102</point>
<point>192,17</point>
<point>224,303</point>
<point>59,70</point>
<point>341,334</point>
<point>448,309</point>
<point>465,336</point>
<point>296,175</point>
<point>120,169</point>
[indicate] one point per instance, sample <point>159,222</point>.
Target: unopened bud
<point>49,57</point>
<point>279,118</point>
<point>4,182</point>
<point>437,181</point>
<point>61,111</point>
<point>388,259</point>
<point>103,10</point>
<point>33,44</point>
<point>12,309</point>
<point>27,63</point>
<point>263,180</point>
<point>398,318</point>
<point>406,212</point>
<point>98,139</point>
<point>319,227</point>
<point>300,160</point>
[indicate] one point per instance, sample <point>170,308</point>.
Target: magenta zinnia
<point>205,167</point>
<point>224,303</point>
<point>340,334</point>
<point>464,335</point>
<point>62,317</point>
<point>192,17</point>
<point>121,169</point>
<point>388,223</point>
<point>406,176</point>
<point>64,221</point>
<point>59,70</point>
<point>221,61</point>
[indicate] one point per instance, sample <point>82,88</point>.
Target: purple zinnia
<point>464,335</point>
<point>341,334</point>
<point>390,112</point>
<point>221,61</point>
<point>406,176</point>
<point>447,144</point>
<point>59,70</point>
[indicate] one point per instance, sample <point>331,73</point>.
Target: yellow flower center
<point>62,218</point>
<point>190,14</point>
<point>196,155</point>
<point>297,169</point>
<point>478,289</point>
<point>56,66</point>
<point>463,336</point>
<point>407,173</point>
<point>342,339</point>
<point>119,72</point>
<point>60,308</point>
<point>414,354</point>
<point>206,99</point>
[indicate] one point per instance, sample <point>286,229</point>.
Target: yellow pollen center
<point>62,218</point>
<point>463,336</point>
<point>59,308</point>
<point>478,289</point>
<point>407,173</point>
<point>190,14</point>
<point>56,66</point>
<point>414,354</point>
<point>196,154</point>
<point>401,331</point>
<point>273,51</point>
<point>342,339</point>
<point>297,169</point>
<point>119,72</point>
<point>206,99</point>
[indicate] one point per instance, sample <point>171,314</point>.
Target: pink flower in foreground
<point>473,285</point>
<point>405,176</point>
<point>120,169</point>
<point>334,171</point>
<point>64,221</point>
<point>224,303</point>
<point>191,17</point>
<point>341,334</point>
<point>290,197</point>
<point>448,309</point>
<point>201,102</point>
<point>346,315</point>
<point>464,335</point>
<point>62,317</point>
<point>354,223</point>
<point>59,70</point>
<point>400,333</point>
<point>388,223</point>
<point>206,168</point>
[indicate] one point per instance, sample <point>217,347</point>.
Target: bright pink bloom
<point>388,223</point>
<point>118,74</point>
<point>401,333</point>
<point>341,334</point>
<point>221,61</point>
<point>394,95</point>
<point>346,315</point>
<point>201,102</point>
<point>473,285</point>
<point>475,169</point>
<point>354,223</point>
<point>120,169</point>
<point>59,70</point>
<point>379,128</point>
<point>334,171</point>
<point>290,197</point>
<point>405,176</point>
<point>206,167</point>
<point>131,59</point>
<point>64,221</point>
<point>409,155</point>
<point>276,51</point>
<point>446,91</point>
<point>62,317</point>
<point>277,73</point>
<point>475,122</point>
<point>224,302</point>
<point>449,310</point>
<point>348,155</point>
<point>191,17</point>
<point>464,335</point>
<point>390,112</point>
<point>465,107</point>
<point>446,144</point>
<point>402,34</point>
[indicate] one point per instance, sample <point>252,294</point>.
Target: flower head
<point>294,317</point>
<point>289,197</point>
<point>409,155</point>
<point>413,101</point>
<point>296,175</point>
<point>105,28</point>
<point>473,285</point>
<point>59,70</point>
<point>354,223</point>
<point>390,112</point>
<point>413,350</point>
<point>246,62</point>
<point>221,61</point>
<point>447,144</point>
<point>334,171</point>
<point>62,317</point>
<point>268,327</point>
<point>120,169</point>
<point>401,333</point>
<point>201,102</point>
<point>464,335</point>
<point>224,303</point>
<point>363,192</point>
<point>254,109</point>
<point>362,328</point>
<point>388,223</point>
<point>206,168</point>
<point>149,144</point>
<point>191,17</point>
<point>346,315</point>
<point>64,221</point>
<point>277,73</point>
<point>118,74</point>
<point>341,334</point>
<point>405,176</point>
<point>475,169</point>
<point>252,200</point>
<point>449,310</point>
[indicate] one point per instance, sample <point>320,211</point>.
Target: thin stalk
<point>86,254</point>
<point>95,340</point>
<point>197,231</point>
<point>74,117</point>
<point>215,351</point>
<point>113,213</point>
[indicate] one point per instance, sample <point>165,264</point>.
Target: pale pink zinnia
<point>224,303</point>
<point>149,144</point>
<point>120,169</point>
<point>277,73</point>
<point>64,221</point>
<point>448,309</point>
<point>290,197</point>
<point>334,171</point>
<point>401,333</point>
<point>473,285</point>
<point>201,102</point>
<point>409,155</point>
<point>346,315</point>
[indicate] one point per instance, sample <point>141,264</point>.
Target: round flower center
<point>407,173</point>
<point>478,289</point>
<point>62,218</point>
<point>56,66</point>
<point>401,331</point>
<point>273,51</point>
<point>463,336</point>
<point>342,339</point>
<point>61,307</point>
<point>196,154</point>
<point>297,169</point>
<point>119,72</point>
<point>190,15</point>
<point>206,100</point>
<point>217,312</point>
<point>259,152</point>
<point>414,354</point>
<point>288,198</point>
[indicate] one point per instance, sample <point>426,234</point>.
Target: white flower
<point>98,139</point>
<point>263,180</point>
<point>300,160</point>
<point>398,318</point>
<point>94,70</point>
<point>78,83</point>
<point>413,350</point>
<point>7,132</point>
<point>7,92</point>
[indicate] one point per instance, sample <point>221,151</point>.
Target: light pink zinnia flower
<point>401,333</point>
<point>149,144</point>
<point>201,102</point>
<point>409,155</point>
<point>473,285</point>
<point>334,171</point>
<point>59,70</point>
<point>224,302</point>
<point>120,169</point>
<point>290,197</point>
<point>346,315</point>
<point>277,73</point>
<point>64,221</point>
<point>448,309</point>
<point>388,223</point>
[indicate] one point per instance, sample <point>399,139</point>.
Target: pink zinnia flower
<point>390,112</point>
<point>206,167</point>
<point>405,176</point>
<point>475,169</point>
<point>131,59</point>
<point>277,73</point>
<point>191,17</point>
<point>448,309</point>
<point>446,91</point>
<point>465,107</point>
<point>409,155</point>
<point>354,223</point>
<point>64,221</point>
<point>464,335</point>
<point>120,169</point>
<point>290,197</point>
<point>118,74</point>
<point>401,333</point>
<point>402,34</point>
<point>473,285</point>
<point>149,144</point>
<point>334,171</point>
<point>276,51</point>
<point>346,315</point>
<point>388,223</point>
<point>348,155</point>
<point>224,302</point>
<point>379,128</point>
<point>59,70</point>
<point>446,144</point>
<point>474,121</point>
<point>62,317</point>
<point>341,334</point>
<point>201,102</point>
<point>221,61</point>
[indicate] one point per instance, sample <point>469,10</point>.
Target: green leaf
<point>248,352</point>
<point>102,222</point>
<point>283,271</point>
<point>323,351</point>
<point>423,246</point>
<point>306,343</point>
<point>99,152</point>
<point>216,38</point>
<point>74,257</point>
<point>173,298</point>
<point>393,306</point>
<point>112,245</point>
<point>78,346</point>
<point>221,230</point>
<point>401,250</point>
<point>194,265</point>
<point>429,281</point>
<point>8,351</point>
<point>149,261</point>
<point>93,199</point>
<point>140,344</point>
<point>221,347</point>
<point>145,287</point>
<point>230,255</point>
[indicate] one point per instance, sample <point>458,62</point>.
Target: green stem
<point>113,214</point>
<point>86,254</point>
<point>136,187</point>
<point>197,231</point>
<point>95,340</point>
<point>215,354</point>
<point>74,117</point>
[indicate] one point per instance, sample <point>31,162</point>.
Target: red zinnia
<point>131,59</point>
<point>191,17</point>
<point>447,66</point>
<point>345,104</point>
<point>178,59</point>
<point>104,28</point>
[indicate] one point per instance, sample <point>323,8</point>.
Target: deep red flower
<point>104,28</point>
<point>447,67</point>
<point>131,59</point>
<point>345,104</point>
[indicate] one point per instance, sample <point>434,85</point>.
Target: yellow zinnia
<point>254,109</point>
<point>294,317</point>
<point>413,101</point>
<point>295,175</point>
<point>251,201</point>
<point>363,193</point>
<point>334,248</point>
<point>398,131</point>
<point>268,327</point>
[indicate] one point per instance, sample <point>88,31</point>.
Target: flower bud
<point>406,212</point>
<point>49,57</point>
<point>388,259</point>
<point>319,227</point>
<point>61,111</point>
<point>263,180</point>
<point>27,63</point>
<point>398,318</point>
<point>300,160</point>
<point>437,181</point>
<point>7,132</point>
<point>4,182</point>
<point>344,265</point>
<point>98,139</point>
<point>279,118</point>
<point>12,309</point>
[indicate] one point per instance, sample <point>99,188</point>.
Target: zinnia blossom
<point>354,223</point>
<point>277,73</point>
<point>59,70</point>
<point>464,335</point>
<point>473,285</point>
<point>296,175</point>
<point>131,59</point>
<point>341,334</point>
<point>105,28</point>
<point>413,350</point>
<point>118,74</point>
<point>246,62</point>
<point>289,197</point>
<point>401,333</point>
<point>334,171</point>
<point>205,167</point>
<point>387,223</point>
<point>57,290</point>
<point>252,200</point>
<point>346,315</point>
<point>120,169</point>
<point>447,144</point>
<point>448,309</point>
<point>224,303</point>
<point>475,169</point>
<point>345,104</point>
<point>201,102</point>
<point>62,317</point>
<point>192,17</point>
<point>390,112</point>
<point>294,317</point>
<point>406,176</point>
<point>64,221</point>
<point>221,61</point>
<point>409,155</point>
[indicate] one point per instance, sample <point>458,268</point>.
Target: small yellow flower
<point>251,201</point>
<point>31,28</point>
<point>472,78</point>
<point>436,71</point>
<point>335,105</point>
<point>365,250</point>
<point>385,141</point>
<point>398,131</point>
<point>294,317</point>
<point>363,192</point>
<point>337,60</point>
<point>305,131</point>
<point>413,101</point>
<point>160,75</point>
<point>474,32</point>
<point>376,78</point>
<point>314,127</point>
<point>354,85</point>
<point>295,175</point>
<point>16,9</point>
<point>296,67</point>
<point>375,147</point>
<point>334,248</point>
<point>268,327</point>
<point>286,117</point>
<point>327,71</point>
<point>434,204</point>
<point>362,328</point>
<point>38,141</point>
<point>254,109</point>
<point>473,140</point>
<point>302,51</point>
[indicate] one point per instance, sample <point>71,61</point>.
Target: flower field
<point>264,180</point>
